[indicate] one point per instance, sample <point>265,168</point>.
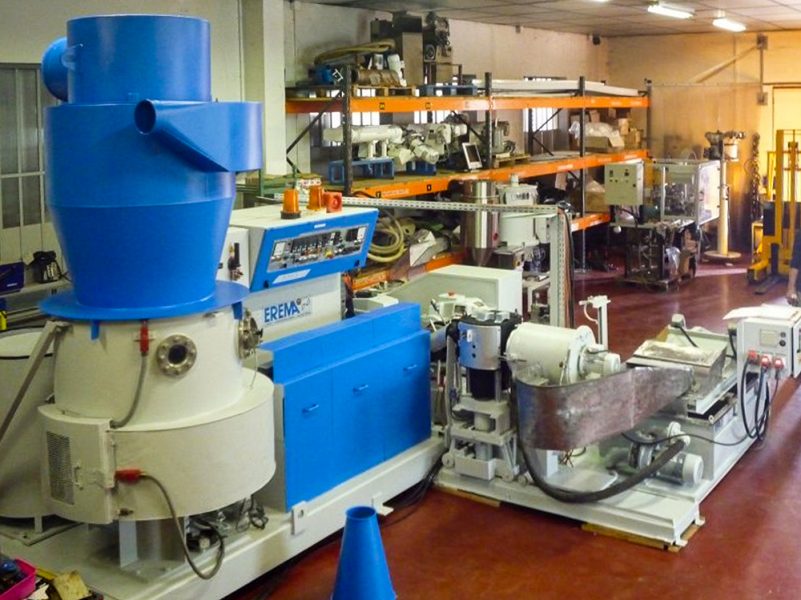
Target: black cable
<point>572,497</point>
<point>182,534</point>
<point>140,382</point>
<point>731,343</point>
<point>741,396</point>
<point>687,335</point>
<point>415,497</point>
<point>647,442</point>
<point>759,419</point>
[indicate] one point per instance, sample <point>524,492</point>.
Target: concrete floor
<point>456,548</point>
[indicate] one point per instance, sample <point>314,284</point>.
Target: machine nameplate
<point>291,309</point>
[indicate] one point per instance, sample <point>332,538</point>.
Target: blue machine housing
<point>355,393</point>
<point>12,277</point>
<point>141,167</point>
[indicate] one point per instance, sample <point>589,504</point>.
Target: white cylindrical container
<point>98,377</point>
<point>203,425</point>
<point>20,452</point>
<point>556,350</point>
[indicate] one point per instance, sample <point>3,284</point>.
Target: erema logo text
<point>287,310</point>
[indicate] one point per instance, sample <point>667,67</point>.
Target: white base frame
<point>93,550</point>
<point>653,509</point>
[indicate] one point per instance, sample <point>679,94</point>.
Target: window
<point>23,98</point>
<point>541,119</point>
<point>332,120</point>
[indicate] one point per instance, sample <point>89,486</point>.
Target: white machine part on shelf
<point>519,233</point>
<point>624,183</point>
<point>20,470</point>
<point>373,141</point>
<point>300,299</point>
<point>441,138</point>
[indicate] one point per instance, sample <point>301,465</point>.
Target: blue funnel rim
<point>146,16</point>
<point>66,306</point>
<point>361,513</point>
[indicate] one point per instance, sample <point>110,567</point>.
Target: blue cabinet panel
<point>357,416</point>
<point>405,397</point>
<point>356,393</point>
<point>308,432</point>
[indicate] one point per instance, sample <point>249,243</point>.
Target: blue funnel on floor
<point>141,167</point>
<point>362,573</point>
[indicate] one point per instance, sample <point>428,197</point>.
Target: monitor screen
<point>472,156</point>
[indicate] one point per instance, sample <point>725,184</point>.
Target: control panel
<point>317,247</point>
<point>773,342</point>
<point>287,251</point>
<point>768,337</point>
<point>623,183</point>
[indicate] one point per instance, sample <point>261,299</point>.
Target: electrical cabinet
<point>623,183</point>
<point>349,396</point>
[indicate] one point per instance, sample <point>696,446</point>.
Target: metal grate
<point>59,462</point>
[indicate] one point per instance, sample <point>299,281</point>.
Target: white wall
<point>499,49</point>
<point>28,26</point>
<point>511,54</point>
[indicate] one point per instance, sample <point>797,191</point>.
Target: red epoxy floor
<point>750,547</point>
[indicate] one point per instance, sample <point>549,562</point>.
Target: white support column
<point>262,23</point>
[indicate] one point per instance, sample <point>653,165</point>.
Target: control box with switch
<point>623,183</point>
<point>769,335</point>
<point>234,262</point>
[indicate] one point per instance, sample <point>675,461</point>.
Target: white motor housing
<point>203,425</point>
<point>562,355</point>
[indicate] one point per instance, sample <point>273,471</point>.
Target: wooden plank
<point>640,539</point>
<point>469,496</point>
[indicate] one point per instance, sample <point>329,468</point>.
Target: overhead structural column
<point>262,23</point>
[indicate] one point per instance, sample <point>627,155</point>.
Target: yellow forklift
<point>773,236</point>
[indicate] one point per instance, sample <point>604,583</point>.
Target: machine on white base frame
<point>545,417</point>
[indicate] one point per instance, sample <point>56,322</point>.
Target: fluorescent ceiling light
<point>728,24</point>
<point>669,11</point>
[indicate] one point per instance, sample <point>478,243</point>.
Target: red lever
<point>144,338</point>
<point>128,475</point>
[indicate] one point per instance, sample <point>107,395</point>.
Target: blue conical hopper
<point>141,167</point>
<point>362,573</point>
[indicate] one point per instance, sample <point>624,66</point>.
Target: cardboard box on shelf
<point>612,143</point>
<point>622,126</point>
<point>595,202</point>
<point>633,139</point>
<point>595,116</point>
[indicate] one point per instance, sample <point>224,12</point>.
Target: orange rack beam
<point>398,104</point>
<point>432,184</point>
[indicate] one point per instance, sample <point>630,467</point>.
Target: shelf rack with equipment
<point>575,98</point>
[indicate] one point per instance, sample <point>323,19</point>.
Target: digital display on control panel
<point>316,247</point>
